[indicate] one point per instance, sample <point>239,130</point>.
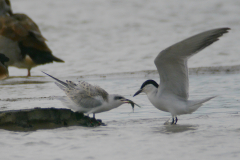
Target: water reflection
<point>167,129</point>
<point>18,80</point>
<point>23,82</point>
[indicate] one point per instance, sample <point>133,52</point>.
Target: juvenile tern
<point>3,68</point>
<point>86,98</point>
<point>172,93</point>
<point>21,40</point>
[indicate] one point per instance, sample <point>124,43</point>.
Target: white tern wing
<point>171,63</point>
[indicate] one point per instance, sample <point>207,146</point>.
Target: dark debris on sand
<point>44,118</point>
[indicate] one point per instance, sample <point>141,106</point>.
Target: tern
<point>21,40</point>
<point>86,98</point>
<point>172,93</point>
<point>3,68</point>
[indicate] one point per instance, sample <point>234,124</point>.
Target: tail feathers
<point>68,103</point>
<point>61,82</point>
<point>43,57</point>
<point>195,104</point>
<point>62,87</point>
<point>39,56</point>
<point>56,59</point>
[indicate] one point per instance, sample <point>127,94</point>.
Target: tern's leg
<point>176,119</point>
<point>172,120</point>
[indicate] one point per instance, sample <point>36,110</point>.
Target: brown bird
<point>21,40</point>
<point>3,68</point>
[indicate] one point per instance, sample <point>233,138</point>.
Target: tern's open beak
<point>138,92</point>
<point>131,102</point>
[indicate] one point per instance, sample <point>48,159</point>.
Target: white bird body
<point>105,105</point>
<point>86,98</point>
<point>172,93</point>
<point>174,104</point>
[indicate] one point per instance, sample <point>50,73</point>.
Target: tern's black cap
<point>150,81</point>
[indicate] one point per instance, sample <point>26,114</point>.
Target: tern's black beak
<point>137,93</point>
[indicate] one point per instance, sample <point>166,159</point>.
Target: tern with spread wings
<point>172,93</point>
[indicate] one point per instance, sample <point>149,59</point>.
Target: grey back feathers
<point>83,93</point>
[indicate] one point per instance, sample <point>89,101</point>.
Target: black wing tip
<point>45,73</point>
<point>225,28</point>
<point>56,79</point>
<point>216,34</point>
<point>49,75</point>
<point>222,31</point>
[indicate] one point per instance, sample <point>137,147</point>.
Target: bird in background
<point>86,98</point>
<point>172,93</point>
<point>3,68</point>
<point>21,40</point>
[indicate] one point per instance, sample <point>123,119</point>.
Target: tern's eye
<point>118,97</point>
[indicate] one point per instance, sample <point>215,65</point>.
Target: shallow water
<point>211,132</point>
<point>113,36</point>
